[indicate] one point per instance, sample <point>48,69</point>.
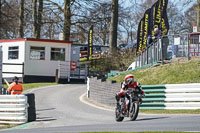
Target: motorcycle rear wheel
<point>118,116</point>
<point>134,111</point>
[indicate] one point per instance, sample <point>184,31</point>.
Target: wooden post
<point>23,72</point>
<point>57,79</point>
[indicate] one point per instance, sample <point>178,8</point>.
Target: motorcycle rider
<point>129,83</point>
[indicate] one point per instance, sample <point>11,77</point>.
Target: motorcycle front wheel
<point>118,116</point>
<point>134,111</point>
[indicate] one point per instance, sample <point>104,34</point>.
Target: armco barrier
<point>170,96</point>
<point>13,109</point>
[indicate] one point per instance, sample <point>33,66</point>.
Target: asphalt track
<point>60,110</point>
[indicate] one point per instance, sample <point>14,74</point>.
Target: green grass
<point>176,73</point>
<point>138,132</point>
<point>27,86</point>
<point>6,126</point>
<point>170,111</point>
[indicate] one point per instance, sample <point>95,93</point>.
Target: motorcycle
<point>128,108</point>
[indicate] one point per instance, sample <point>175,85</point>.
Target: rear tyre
<point>134,111</point>
<point>118,116</point>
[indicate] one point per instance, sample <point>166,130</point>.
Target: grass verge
<point>176,73</point>
<point>6,126</point>
<point>137,132</point>
<point>170,111</point>
<point>27,86</point>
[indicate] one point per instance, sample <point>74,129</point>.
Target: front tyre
<point>134,111</point>
<point>118,116</point>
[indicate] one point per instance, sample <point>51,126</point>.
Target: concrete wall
<point>103,92</point>
<point>169,96</point>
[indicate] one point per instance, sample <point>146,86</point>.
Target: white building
<point>34,60</point>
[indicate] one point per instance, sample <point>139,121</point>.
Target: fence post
<point>23,72</point>
<point>88,87</point>
<point>162,51</point>
<point>142,59</point>
<point>151,54</point>
<point>57,76</point>
<point>188,38</point>
<point>86,67</point>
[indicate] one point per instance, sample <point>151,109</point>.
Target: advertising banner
<point>155,17</point>
<point>90,42</point>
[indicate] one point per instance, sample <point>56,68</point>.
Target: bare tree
<point>21,19</point>
<point>9,19</point>
<point>0,20</point>
<point>39,25</point>
<point>37,14</point>
<point>67,21</point>
<point>35,18</point>
<point>198,14</point>
<point>113,27</point>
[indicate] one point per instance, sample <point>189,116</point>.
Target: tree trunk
<point>67,21</point>
<point>35,18</point>
<point>21,20</point>
<point>0,20</point>
<point>198,15</point>
<point>39,25</point>
<point>113,27</point>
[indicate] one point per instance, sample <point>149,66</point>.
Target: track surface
<point>59,109</point>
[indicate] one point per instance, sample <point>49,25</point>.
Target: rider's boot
<point>117,103</point>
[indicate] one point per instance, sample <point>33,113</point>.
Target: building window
<point>37,53</point>
<point>58,54</point>
<point>13,52</point>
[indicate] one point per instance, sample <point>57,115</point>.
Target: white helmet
<point>129,79</point>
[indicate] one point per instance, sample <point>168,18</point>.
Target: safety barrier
<point>171,96</point>
<point>13,109</point>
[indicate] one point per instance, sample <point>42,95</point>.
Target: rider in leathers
<point>129,83</point>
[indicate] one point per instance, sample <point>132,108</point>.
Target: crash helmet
<point>129,79</point>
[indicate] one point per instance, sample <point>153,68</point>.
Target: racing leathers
<point>125,87</point>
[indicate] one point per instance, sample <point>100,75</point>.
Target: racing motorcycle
<point>128,107</point>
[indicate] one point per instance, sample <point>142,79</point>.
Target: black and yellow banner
<point>146,27</point>
<point>164,21</point>
<point>90,43</point>
<point>155,17</point>
<point>140,35</point>
<point>143,29</point>
<point>159,17</point>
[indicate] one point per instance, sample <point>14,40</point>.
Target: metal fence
<point>169,47</point>
<point>72,70</point>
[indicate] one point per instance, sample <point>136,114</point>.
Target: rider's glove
<point>143,95</point>
<point>142,92</point>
